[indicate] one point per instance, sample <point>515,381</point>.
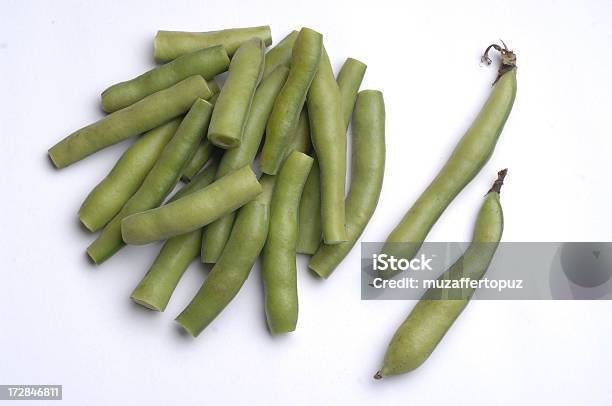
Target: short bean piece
<point>192,211</point>
<point>366,179</point>
<point>205,62</point>
<point>109,196</point>
<point>290,101</point>
<point>234,102</point>
<point>279,262</point>
<point>218,232</point>
<point>309,228</point>
<point>280,55</point>
<point>160,180</point>
<point>349,79</point>
<point>146,114</point>
<point>169,45</point>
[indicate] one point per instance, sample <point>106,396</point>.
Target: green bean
<point>280,55</point>
<point>200,156</point>
<point>109,196</point>
<point>234,101</point>
<point>329,139</point>
<point>144,115</point>
<point>156,288</point>
<point>300,140</point>
<point>159,182</point>
<point>349,79</point>
<point>218,232</point>
<point>469,156</point>
<point>366,179</point>
<point>205,62</point>
<point>192,211</point>
<point>214,87</point>
<point>309,224</point>
<point>290,101</point>
<point>434,314</point>
<point>279,268</point>
<point>169,45</point>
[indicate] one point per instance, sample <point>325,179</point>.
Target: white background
<point>65,321</point>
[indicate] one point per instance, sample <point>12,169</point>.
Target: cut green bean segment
<point>231,271</point>
<point>368,169</point>
<point>192,211</point>
<point>199,158</point>
<point>159,181</point>
<point>469,156</point>
<point>109,196</point>
<point>435,313</point>
<point>169,45</point>
<point>280,55</point>
<point>349,79</point>
<point>300,140</point>
<point>156,288</point>
<point>234,102</point>
<point>279,256</point>
<point>328,134</point>
<point>218,232</point>
<point>205,62</point>
<point>290,101</point>
<point>309,229</point>
<point>144,115</point>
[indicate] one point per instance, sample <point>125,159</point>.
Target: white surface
<point>64,321</point>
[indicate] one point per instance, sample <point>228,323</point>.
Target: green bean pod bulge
<point>200,156</point>
<point>109,196</point>
<point>469,156</point>
<point>366,179</point>
<point>160,180</point>
<point>432,317</point>
<point>144,115</point>
<point>156,288</point>
<point>207,63</point>
<point>280,55</point>
<point>231,271</point>
<point>169,45</point>
<point>309,223</point>
<point>234,102</point>
<point>284,118</point>
<point>218,232</point>
<point>279,255</point>
<point>328,134</point>
<point>349,79</point>
<point>192,211</point>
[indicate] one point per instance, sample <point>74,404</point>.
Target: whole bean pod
<point>349,79</point>
<point>279,267</point>
<point>205,62</point>
<point>368,169</point>
<point>280,55</point>
<point>169,45</point>
<point>328,134</point>
<point>156,288</point>
<point>234,102</point>
<point>290,101</point>
<point>109,196</point>
<point>435,313</point>
<point>469,156</point>
<point>192,211</point>
<point>144,115</point>
<point>218,232</point>
<point>160,180</point>
<point>309,223</point>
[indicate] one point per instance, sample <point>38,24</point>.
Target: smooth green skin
<point>218,232</point>
<point>192,211</point>
<point>328,134</point>
<point>109,196</point>
<point>349,79</point>
<point>169,45</point>
<point>144,115</point>
<point>280,55</point>
<point>234,102</point>
<point>309,228</point>
<point>200,181</point>
<point>201,155</point>
<point>205,62</point>
<point>300,140</point>
<point>432,317</point>
<point>231,271</point>
<point>469,156</point>
<point>160,180</point>
<point>290,101</point>
<point>156,288</point>
<point>368,167</point>
<point>279,256</point>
